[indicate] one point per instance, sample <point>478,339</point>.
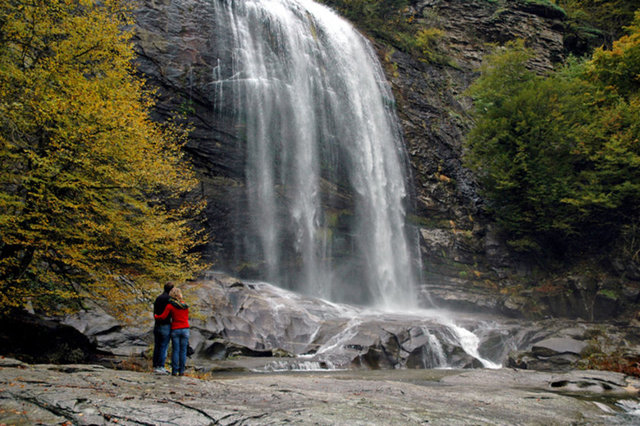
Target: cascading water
<point>325,167</point>
<point>326,192</point>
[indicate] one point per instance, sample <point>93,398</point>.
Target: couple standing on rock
<point>172,322</point>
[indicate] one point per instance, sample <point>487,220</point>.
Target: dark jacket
<point>158,308</point>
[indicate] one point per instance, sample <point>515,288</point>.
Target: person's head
<point>175,293</point>
<point>168,287</point>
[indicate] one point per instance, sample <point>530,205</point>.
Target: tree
<point>558,155</point>
<point>609,16</point>
<point>619,67</point>
<point>612,182</point>
<point>92,191</point>
<point>522,146</point>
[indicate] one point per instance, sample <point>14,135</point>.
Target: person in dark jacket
<point>179,313</point>
<point>161,331</point>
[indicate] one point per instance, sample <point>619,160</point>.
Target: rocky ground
<point>372,367</point>
<point>92,394</point>
<point>233,318</point>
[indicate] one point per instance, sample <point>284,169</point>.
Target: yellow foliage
<point>619,67</point>
<point>427,42</point>
<point>86,176</point>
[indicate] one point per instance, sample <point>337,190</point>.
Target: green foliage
<point>521,145</point>
<point>609,294</point>
<point>558,155</point>
<point>609,16</point>
<point>85,173</point>
<point>389,21</point>
<point>619,67</point>
<point>378,17</point>
<point>548,4</point>
<point>427,43</point>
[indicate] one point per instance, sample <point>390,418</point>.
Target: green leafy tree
<point>558,155</point>
<point>610,184</point>
<point>522,144</point>
<point>619,67</point>
<point>91,189</point>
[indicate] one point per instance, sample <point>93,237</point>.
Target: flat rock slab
<point>89,394</point>
<point>559,345</point>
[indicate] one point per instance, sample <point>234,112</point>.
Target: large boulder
<point>265,320</point>
<point>557,345</point>
<point>36,339</point>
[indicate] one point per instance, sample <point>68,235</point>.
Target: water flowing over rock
<point>184,49</point>
<point>320,197</point>
<point>243,318</point>
<point>282,330</point>
<point>264,318</point>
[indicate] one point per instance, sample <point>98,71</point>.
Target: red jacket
<point>179,317</point>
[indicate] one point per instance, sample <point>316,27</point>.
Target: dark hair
<point>168,287</point>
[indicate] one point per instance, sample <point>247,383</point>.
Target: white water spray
<point>325,166</point>
<point>470,343</point>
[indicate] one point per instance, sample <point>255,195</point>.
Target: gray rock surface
<point>435,115</point>
<point>231,318</point>
<point>88,394</point>
<point>555,345</point>
<point>559,345</point>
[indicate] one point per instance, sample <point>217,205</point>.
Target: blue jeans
<point>179,342</point>
<point>161,335</point>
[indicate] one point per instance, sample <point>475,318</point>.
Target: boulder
<point>38,340</point>
<point>557,346</point>
<point>110,335</point>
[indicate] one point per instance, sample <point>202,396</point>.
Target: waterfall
<point>326,191</point>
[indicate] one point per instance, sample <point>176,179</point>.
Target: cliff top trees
<point>85,175</point>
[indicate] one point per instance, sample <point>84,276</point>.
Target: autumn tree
<point>92,191</point>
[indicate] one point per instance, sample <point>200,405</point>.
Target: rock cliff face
<point>178,58</point>
<point>465,263</point>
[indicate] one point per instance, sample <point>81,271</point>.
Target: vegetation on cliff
<point>558,155</point>
<point>391,22</point>
<point>592,18</point>
<point>91,190</point>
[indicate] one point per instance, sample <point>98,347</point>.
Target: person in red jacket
<point>179,313</point>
